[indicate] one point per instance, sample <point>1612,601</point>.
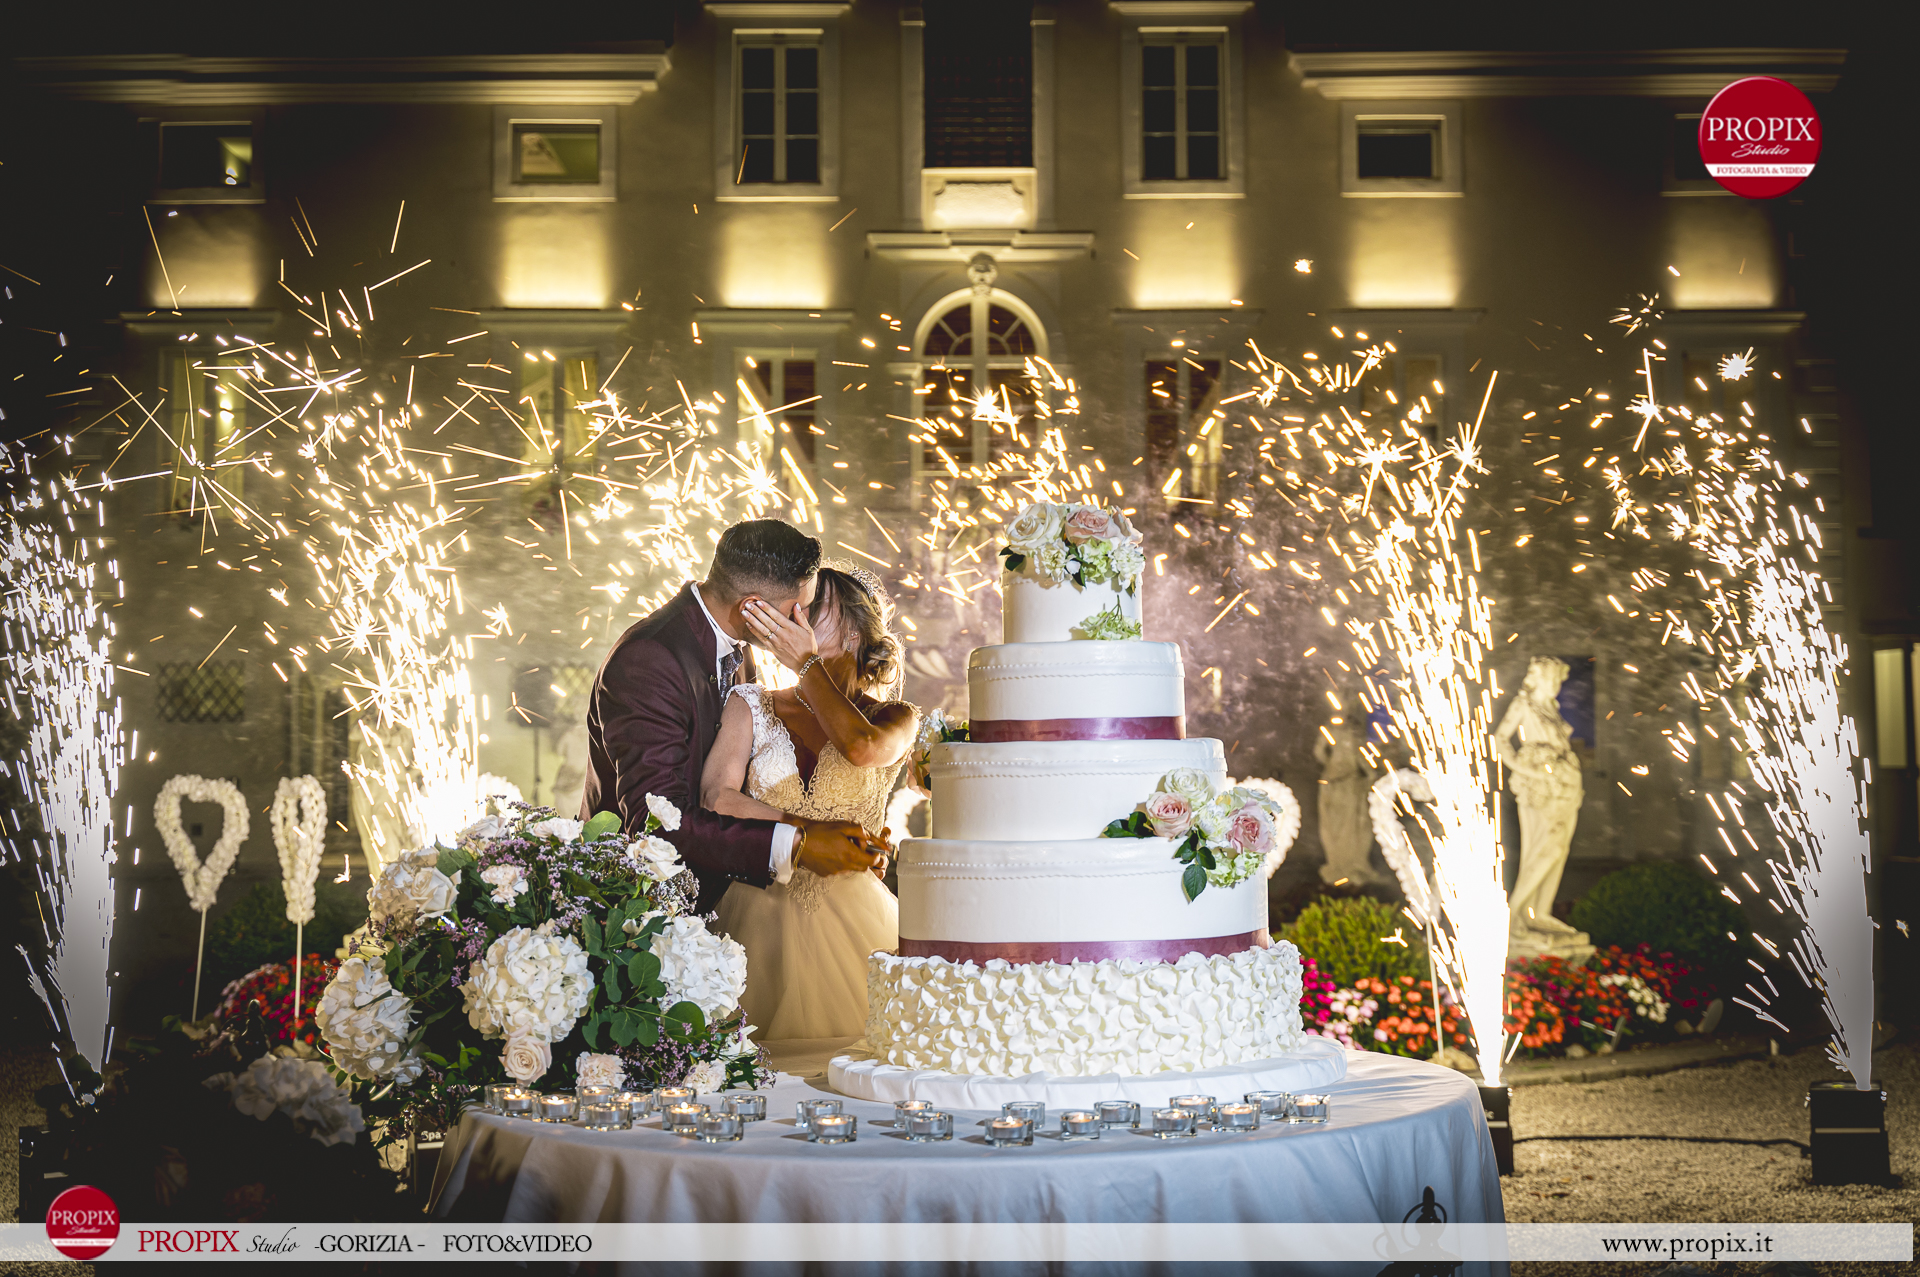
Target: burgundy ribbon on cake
<point>1078,950</point>
<point>1037,729</point>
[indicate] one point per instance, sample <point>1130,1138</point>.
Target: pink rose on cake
<point>1250,829</point>
<point>1170,814</point>
<point>1088,523</point>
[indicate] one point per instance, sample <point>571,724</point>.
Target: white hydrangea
<point>590,1069</point>
<point>410,888</point>
<point>706,1077</point>
<point>528,982</point>
<point>365,1023</point>
<point>697,966</point>
<point>556,827</point>
<point>304,1091</point>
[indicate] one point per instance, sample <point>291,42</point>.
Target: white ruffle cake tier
<point>1314,1064</point>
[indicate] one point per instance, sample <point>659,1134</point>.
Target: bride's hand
<point>788,638</point>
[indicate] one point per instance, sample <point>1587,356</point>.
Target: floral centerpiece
<point>537,950</point>
<point>1084,544</point>
<point>1223,836</point>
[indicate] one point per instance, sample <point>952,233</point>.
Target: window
<point>979,69</point>
<point>1180,83</point>
<point>1183,434</point>
<point>779,110</point>
<point>205,448</point>
<point>208,162</point>
<point>785,390</point>
<point>559,435</point>
<point>1400,148</point>
<point>563,154</point>
<point>1405,386</point>
<point>213,692</point>
<point>1683,171</point>
<point>974,393</point>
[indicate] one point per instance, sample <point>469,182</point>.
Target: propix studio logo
<point>1760,137</point>
<point>83,1223</point>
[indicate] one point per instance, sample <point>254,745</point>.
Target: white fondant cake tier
<point>1036,612</point>
<point>1046,790</point>
<point>1315,1064</point>
<point>1089,892</point>
<point>1083,1019</point>
<point>1084,690</point>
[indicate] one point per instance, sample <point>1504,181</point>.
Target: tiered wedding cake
<point>1033,947</point>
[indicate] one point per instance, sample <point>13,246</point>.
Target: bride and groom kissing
<point>784,792</point>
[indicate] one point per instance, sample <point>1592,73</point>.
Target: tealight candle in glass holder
<point>1118,1112</point>
<point>1201,1106</point>
<point>903,1107</point>
<point>719,1128</point>
<point>748,1108</point>
<point>604,1115</point>
<point>517,1101</point>
<point>638,1103</point>
<point>682,1118</point>
<point>1034,1111</point>
<point>1309,1110</point>
<point>1010,1131</point>
<point>1172,1124</point>
<point>495,1092</point>
<point>1272,1104</point>
<point>1236,1117</point>
<point>664,1097</point>
<point>833,1128</point>
<point>925,1126</point>
<point>1080,1125</point>
<point>807,1110</point>
<point>556,1108</point>
<point>595,1092</point>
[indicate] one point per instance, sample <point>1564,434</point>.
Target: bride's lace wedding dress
<point>808,939</point>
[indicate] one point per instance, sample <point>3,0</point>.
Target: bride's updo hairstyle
<point>864,605</point>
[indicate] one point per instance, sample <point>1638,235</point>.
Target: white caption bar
<point>987,1243</point>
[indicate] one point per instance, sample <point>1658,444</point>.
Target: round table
<point>1397,1127</point>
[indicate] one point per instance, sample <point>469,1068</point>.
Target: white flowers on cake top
<point>1084,544</point>
<point>1035,527</point>
<point>302,1089</point>
<point>530,982</point>
<point>365,1023</point>
<point>697,966</point>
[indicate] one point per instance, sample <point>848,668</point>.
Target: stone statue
<point>1346,834</point>
<point>1544,774</point>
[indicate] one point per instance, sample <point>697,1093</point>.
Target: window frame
<point>1450,183</point>
<point>745,431</point>
<point>195,362</point>
<point>980,367</point>
<point>1231,184</point>
<point>255,192</point>
<point>1198,468</point>
<point>727,110</point>
<point>1670,181</point>
<point>508,191</point>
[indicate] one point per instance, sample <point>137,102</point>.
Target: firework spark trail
<point>1726,495</point>
<point>60,683</point>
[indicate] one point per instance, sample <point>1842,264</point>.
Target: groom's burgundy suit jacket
<point>653,715</point>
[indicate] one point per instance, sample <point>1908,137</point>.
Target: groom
<point>656,705</point>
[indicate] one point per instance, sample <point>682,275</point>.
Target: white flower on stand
<point>556,827</point>
<point>528,982</point>
<point>304,1091</point>
<point>507,881</point>
<point>202,879</point>
<point>365,1024</point>
<point>699,967</point>
<point>706,1077</point>
<point>657,858</point>
<point>590,1069</point>
<point>663,811</point>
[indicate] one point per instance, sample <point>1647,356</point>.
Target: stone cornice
<point>1439,73</point>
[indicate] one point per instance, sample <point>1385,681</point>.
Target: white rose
<point>556,827</point>
<point>485,829</point>
<point>1038,525</point>
<point>663,811</point>
<point>526,1057</point>
<point>598,1070</point>
<point>1191,784</point>
<point>657,858</point>
<point>507,881</point>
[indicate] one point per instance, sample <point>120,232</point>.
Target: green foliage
<point>1348,939</point>
<point>1670,908</point>
<point>255,931</point>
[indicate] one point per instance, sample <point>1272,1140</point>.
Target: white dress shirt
<point>781,860</point>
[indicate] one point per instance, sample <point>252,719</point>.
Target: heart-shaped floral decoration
<point>202,879</point>
<point>299,835</point>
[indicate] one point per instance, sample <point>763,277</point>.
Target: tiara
<point>865,576</point>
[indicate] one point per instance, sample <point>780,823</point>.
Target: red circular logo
<point>1760,137</point>
<point>83,1223</point>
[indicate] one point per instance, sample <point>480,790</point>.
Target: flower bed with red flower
<point>273,986</point>
<point>1395,1017</point>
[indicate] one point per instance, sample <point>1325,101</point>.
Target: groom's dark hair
<point>762,556</point>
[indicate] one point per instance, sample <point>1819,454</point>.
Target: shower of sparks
<point>1390,503</point>
<point>60,683</point>
<point>1640,312</point>
<point>1721,490</point>
<point>1736,367</point>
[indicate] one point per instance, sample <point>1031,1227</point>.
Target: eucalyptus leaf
<point>1193,881</point>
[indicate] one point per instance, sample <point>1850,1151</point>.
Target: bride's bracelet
<point>804,667</point>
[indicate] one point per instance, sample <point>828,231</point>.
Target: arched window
<point>974,389</point>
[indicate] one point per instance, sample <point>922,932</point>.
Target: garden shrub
<point>1349,940</point>
<point>255,931</point>
<point>1669,908</point>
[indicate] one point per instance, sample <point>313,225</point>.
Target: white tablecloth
<point>1398,1126</point>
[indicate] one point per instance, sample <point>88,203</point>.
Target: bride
<point>828,748</point>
